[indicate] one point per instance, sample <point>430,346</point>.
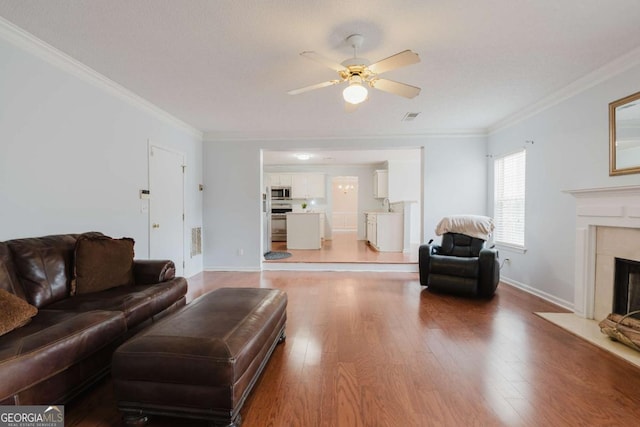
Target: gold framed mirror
<point>624,135</point>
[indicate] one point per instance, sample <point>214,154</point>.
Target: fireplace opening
<point>626,287</point>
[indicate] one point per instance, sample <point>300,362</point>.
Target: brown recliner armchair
<point>461,264</point>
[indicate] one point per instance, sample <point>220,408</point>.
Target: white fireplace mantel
<point>597,207</point>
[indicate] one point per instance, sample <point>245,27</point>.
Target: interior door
<point>166,206</point>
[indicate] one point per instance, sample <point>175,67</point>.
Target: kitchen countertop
<point>380,212</point>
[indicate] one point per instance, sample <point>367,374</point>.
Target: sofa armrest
<point>489,272</point>
<point>147,272</point>
<point>424,260</point>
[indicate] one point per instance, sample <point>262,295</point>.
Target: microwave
<point>280,193</point>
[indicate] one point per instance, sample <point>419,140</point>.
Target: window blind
<point>509,198</point>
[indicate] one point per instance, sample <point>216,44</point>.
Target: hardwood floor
<point>376,349</point>
<point>343,248</point>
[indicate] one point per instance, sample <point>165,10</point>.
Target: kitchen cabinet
<point>385,231</point>
<point>372,229</point>
<point>381,184</point>
<point>308,186</point>
<point>279,179</point>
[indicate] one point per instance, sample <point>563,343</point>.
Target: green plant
<point>304,206</point>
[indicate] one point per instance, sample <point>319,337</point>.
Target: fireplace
<point>626,286</point>
<point>607,227</point>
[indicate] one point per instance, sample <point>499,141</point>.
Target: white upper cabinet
<point>279,179</point>
<point>316,185</point>
<point>308,186</point>
<point>381,184</point>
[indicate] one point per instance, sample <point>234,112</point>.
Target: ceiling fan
<point>359,74</point>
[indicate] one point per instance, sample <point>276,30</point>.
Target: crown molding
<point>600,75</point>
<point>429,133</point>
<point>30,43</point>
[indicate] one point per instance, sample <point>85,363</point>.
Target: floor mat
<point>270,256</point>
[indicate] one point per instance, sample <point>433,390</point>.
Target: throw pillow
<point>14,312</point>
<point>102,263</point>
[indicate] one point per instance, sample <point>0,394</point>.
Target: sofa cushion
<point>102,263</point>
<point>44,267</point>
<point>14,312</point>
<point>137,302</point>
<point>460,245</point>
<point>52,342</point>
<point>455,266</point>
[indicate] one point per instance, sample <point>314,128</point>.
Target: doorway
<point>344,194</point>
<point>345,234</point>
<point>166,206</point>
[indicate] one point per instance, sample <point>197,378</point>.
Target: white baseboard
<point>249,269</point>
<point>343,266</point>
<point>537,292</point>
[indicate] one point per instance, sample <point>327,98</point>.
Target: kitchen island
<point>304,230</point>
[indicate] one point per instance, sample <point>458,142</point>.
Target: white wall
<point>74,152</point>
<point>405,185</point>
<point>570,151</point>
<point>453,165</point>
<point>232,206</point>
<point>455,178</point>
<point>404,180</point>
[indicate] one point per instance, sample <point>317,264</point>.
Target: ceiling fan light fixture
<point>359,73</point>
<point>355,93</point>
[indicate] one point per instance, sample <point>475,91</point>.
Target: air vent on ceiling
<point>409,117</point>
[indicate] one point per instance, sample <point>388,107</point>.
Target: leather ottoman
<point>202,361</point>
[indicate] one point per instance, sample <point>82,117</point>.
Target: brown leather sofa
<point>68,344</point>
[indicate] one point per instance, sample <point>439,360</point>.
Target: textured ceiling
<point>224,67</point>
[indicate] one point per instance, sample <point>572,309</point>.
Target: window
<point>509,188</point>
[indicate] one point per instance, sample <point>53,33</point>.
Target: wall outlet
<point>240,252</point>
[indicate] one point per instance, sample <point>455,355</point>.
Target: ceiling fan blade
<point>312,87</point>
<point>398,60</point>
<point>324,61</point>
<point>395,88</point>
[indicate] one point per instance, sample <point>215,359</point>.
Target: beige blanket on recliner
<point>472,225</point>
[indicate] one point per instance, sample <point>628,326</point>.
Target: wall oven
<point>279,221</point>
<point>280,193</point>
